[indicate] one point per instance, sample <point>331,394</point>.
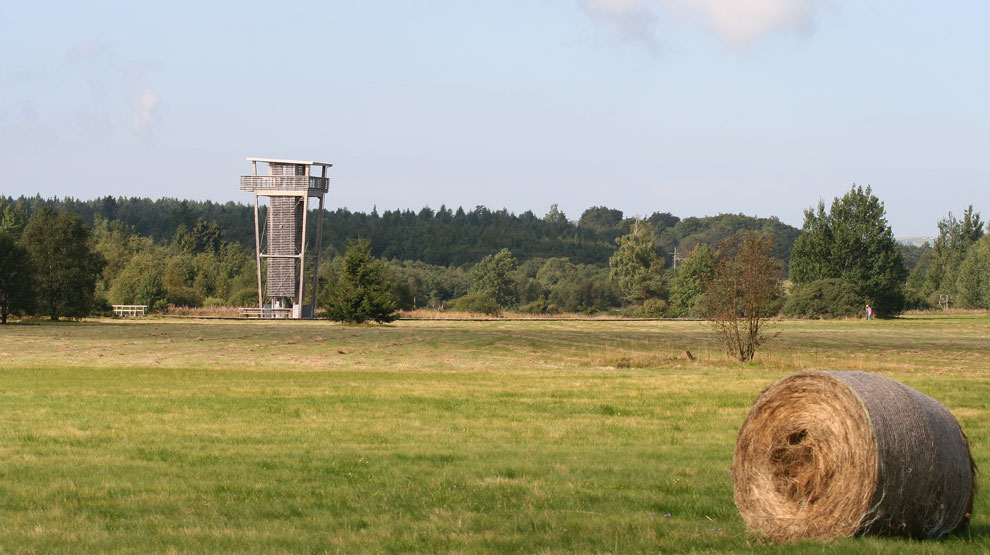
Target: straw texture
<point>832,454</point>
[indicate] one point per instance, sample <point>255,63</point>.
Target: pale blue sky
<point>695,107</point>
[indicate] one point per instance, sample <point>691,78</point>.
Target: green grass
<point>178,435</point>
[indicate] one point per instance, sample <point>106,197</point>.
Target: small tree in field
<point>743,293</point>
<point>363,289</point>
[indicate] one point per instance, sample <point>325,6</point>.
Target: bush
<point>828,298</point>
<point>653,308</point>
<point>101,307</point>
<point>183,296</point>
<point>916,300</point>
<point>247,296</point>
<point>213,302</point>
<point>477,302</point>
<point>540,306</point>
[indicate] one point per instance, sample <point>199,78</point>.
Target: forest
<point>181,253</point>
<point>441,237</point>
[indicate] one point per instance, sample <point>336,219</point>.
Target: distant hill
<point>914,241</point>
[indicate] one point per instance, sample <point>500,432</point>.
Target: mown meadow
<point>160,435</point>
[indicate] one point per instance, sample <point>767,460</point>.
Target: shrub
<point>213,302</point>
<point>829,298</point>
<point>914,299</point>
<point>539,306</point>
<point>101,306</point>
<point>247,296</point>
<point>653,308</point>
<point>183,296</point>
<point>477,302</point>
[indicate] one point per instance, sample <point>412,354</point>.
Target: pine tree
<point>637,266</point>
<point>555,216</point>
<point>13,216</point>
<point>362,290</point>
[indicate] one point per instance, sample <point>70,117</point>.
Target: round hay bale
<point>832,454</point>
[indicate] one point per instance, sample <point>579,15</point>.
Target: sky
<point>694,107</point>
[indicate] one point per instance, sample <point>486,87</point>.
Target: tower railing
<point>285,183</point>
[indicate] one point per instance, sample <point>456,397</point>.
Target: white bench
<point>265,312</point>
<point>129,310</point>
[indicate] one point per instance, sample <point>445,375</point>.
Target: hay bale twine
<point>832,454</point>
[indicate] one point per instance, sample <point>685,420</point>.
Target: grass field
<point>503,436</point>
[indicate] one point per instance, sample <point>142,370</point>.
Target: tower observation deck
<point>280,241</point>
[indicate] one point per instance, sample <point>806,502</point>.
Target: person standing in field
<point>869,312</point>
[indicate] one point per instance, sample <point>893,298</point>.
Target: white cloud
<point>630,20</point>
<point>144,102</point>
<point>739,23</point>
<point>92,49</point>
<point>118,91</point>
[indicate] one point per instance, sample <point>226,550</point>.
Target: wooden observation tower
<point>281,242</point>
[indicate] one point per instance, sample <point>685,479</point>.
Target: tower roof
<point>297,162</point>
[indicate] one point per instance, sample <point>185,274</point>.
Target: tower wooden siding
<point>284,234</point>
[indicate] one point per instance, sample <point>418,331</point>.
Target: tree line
<point>441,237</point>
<point>54,264</point>
<point>187,253</point>
<point>844,260</point>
